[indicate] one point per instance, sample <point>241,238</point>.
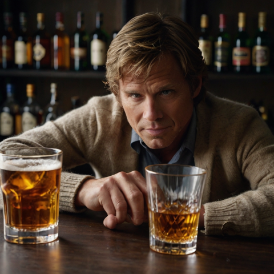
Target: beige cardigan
<point>233,144</point>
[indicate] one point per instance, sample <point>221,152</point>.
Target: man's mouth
<point>156,131</point>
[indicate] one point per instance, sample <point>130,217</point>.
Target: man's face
<point>160,107</point>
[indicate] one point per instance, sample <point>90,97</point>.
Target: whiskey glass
<point>174,203</point>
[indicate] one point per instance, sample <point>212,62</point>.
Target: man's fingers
<point>110,221</point>
<point>113,200</point>
<point>132,186</point>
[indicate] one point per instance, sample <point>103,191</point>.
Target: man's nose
<point>152,110</point>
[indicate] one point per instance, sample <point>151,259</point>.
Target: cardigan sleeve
<point>68,134</point>
<point>250,213</point>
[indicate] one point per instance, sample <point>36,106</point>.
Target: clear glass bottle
<point>261,47</point>
<point>79,45</point>
<point>222,56</point>
<point>60,45</point>
<point>31,111</point>
<point>98,45</point>
<point>205,41</point>
<point>7,42</point>
<point>241,54</point>
<point>23,45</point>
<point>41,45</point>
<point>10,118</point>
<point>52,110</point>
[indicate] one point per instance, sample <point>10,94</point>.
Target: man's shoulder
<point>106,102</point>
<point>215,106</point>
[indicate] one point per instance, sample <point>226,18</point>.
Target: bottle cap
<point>80,18</point>
<point>262,19</point>
<point>10,89</point>
<point>204,21</point>
<point>30,90</point>
<point>241,19</point>
<point>59,17</point>
<point>40,17</point>
<point>53,87</point>
<point>99,19</point>
<point>7,18</point>
<point>222,23</point>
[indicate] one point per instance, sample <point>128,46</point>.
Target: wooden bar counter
<point>86,246</point>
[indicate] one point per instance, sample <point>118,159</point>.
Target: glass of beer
<point>30,183</point>
<point>174,203</point>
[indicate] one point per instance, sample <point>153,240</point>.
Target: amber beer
<point>31,193</point>
<point>174,227</point>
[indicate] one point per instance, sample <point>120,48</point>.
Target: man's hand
<point>122,196</point>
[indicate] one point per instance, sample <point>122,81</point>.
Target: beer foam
<point>30,165</point>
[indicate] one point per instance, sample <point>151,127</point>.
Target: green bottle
<point>98,45</point>
<point>205,41</point>
<point>261,47</point>
<point>222,57</point>
<point>79,45</point>
<point>241,53</point>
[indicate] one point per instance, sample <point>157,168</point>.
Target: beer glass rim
<point>203,171</point>
<point>55,152</point>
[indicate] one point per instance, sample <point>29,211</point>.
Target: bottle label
<point>241,56</point>
<point>28,121</point>
<point>6,121</point>
<point>38,52</point>
<point>260,56</point>
<point>78,53</point>
<point>7,52</point>
<point>205,47</point>
<point>20,52</point>
<point>98,52</point>
<point>221,54</point>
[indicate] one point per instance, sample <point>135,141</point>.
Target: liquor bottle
<point>60,45</point>
<point>205,41</point>
<point>41,45</point>
<point>261,47</point>
<point>52,110</point>
<point>98,45</point>
<point>241,56</point>
<point>31,111</point>
<point>75,102</point>
<point>23,45</point>
<point>222,55</point>
<point>7,42</point>
<point>10,119</point>
<point>79,45</point>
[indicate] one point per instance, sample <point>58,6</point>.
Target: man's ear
<point>197,87</point>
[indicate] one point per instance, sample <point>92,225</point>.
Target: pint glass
<point>30,183</point>
<point>174,202</point>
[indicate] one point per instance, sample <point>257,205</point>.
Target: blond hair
<point>142,42</point>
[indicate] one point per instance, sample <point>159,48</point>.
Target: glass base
<point>23,236</point>
<point>172,248</point>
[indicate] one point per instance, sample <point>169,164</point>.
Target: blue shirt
<point>184,155</point>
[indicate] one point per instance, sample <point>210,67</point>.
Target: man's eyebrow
<point>167,86</point>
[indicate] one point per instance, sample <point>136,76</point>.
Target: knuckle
<point>135,196</point>
<point>123,174</point>
<point>110,182</point>
<point>121,205</point>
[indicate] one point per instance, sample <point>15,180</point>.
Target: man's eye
<point>166,92</point>
<point>134,95</point>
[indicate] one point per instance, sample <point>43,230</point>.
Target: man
<point>159,112</point>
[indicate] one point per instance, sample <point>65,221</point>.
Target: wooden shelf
<point>233,76</point>
<point>101,75</point>
<point>53,74</point>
